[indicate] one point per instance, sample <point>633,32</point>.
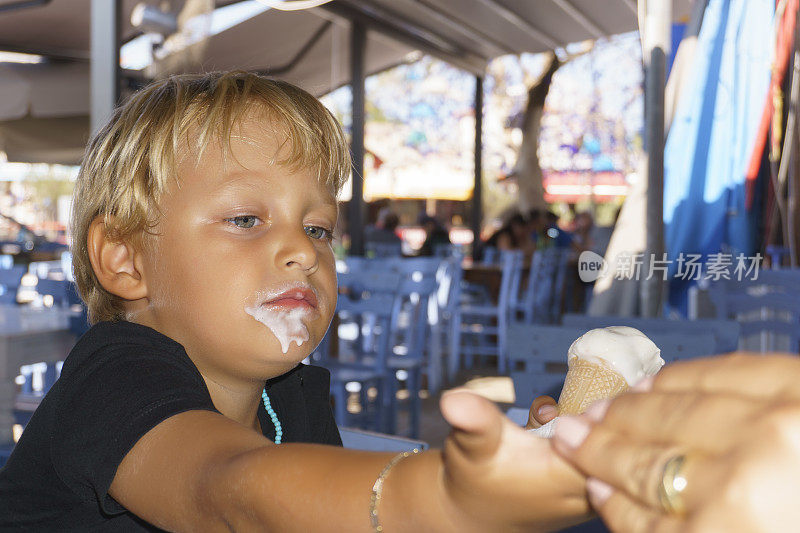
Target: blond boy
<point>202,222</point>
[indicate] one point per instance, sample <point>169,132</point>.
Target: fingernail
<point>571,431</point>
<point>599,491</point>
<point>547,411</point>
<point>645,385</point>
<point>597,410</point>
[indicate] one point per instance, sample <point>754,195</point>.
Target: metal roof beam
<point>464,28</point>
<point>58,54</point>
<point>632,6</point>
<point>407,32</point>
<point>521,23</point>
<point>580,18</point>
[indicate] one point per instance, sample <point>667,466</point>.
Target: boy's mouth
<point>294,298</point>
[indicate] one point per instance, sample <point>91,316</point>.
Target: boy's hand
<point>543,410</point>
<point>498,476</point>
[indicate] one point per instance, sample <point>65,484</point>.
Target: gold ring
<point>673,483</point>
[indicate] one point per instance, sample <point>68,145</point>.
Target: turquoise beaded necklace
<point>273,416</point>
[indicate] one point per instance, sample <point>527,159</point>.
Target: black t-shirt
<point>121,380</point>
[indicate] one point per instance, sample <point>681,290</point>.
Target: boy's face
<point>242,268</point>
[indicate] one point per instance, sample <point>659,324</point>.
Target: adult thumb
<point>477,423</point>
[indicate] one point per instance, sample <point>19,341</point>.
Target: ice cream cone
<point>587,382</point>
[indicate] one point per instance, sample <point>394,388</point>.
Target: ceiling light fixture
<point>150,18</point>
<point>294,5</point>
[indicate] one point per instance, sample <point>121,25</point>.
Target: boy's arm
<point>200,470</point>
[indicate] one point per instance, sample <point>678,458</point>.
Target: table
<point>491,277</point>
<point>28,335</point>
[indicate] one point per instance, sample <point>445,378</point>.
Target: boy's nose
<point>297,251</point>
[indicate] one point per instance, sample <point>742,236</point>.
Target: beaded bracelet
<point>377,488</point>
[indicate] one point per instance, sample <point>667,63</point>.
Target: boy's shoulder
<point>124,332</point>
<point>107,341</point>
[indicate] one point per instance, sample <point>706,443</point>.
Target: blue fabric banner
<point>713,134</point>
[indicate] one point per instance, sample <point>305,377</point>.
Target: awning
<point>44,112</point>
<point>311,48</point>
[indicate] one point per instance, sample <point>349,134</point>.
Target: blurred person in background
<point>554,235</point>
<point>582,241</point>
<point>536,226</point>
<point>514,235</point>
<point>385,228</point>
<point>435,234</point>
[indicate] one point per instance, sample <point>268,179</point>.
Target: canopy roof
<point>309,48</point>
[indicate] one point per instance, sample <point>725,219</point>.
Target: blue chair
<point>409,348</point>
<point>540,302</point>
<point>10,280</point>
<point>726,332</point>
<point>363,346</point>
<point>479,323</point>
<point>66,265</point>
<point>767,309</point>
<point>363,327</point>
<point>65,294</point>
<point>445,250</point>
<point>768,322</point>
<point>448,322</point>
<point>46,269</point>
<point>776,255</point>
<point>370,441</point>
<point>5,452</point>
<point>490,255</point>
<point>383,249</point>
<point>58,290</point>
<point>418,270</point>
<point>538,355</point>
<point>421,277</point>
<point>36,380</point>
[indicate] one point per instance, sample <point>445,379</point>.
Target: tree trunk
<point>527,169</point>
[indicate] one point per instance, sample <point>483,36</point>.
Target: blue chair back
<point>59,290</point>
<point>767,308</point>
<point>511,265</point>
<point>726,332</point>
<point>10,280</point>
<point>447,250</point>
<point>541,300</point>
<point>490,255</point>
<point>776,255</point>
<point>383,249</point>
<point>414,296</point>
<point>538,355</point>
<point>367,317</point>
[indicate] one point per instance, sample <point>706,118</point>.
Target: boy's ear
<point>117,265</point>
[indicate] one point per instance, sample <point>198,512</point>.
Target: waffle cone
<point>587,382</point>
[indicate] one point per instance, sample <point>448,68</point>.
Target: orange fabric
<point>782,53</point>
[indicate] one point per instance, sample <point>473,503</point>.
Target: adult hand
<point>736,419</point>
<point>497,476</point>
<point>543,410</point>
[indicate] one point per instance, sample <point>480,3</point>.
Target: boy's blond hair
<point>131,161</point>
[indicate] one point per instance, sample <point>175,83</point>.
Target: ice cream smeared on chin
<point>284,310</point>
<point>604,363</point>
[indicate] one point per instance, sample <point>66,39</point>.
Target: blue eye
<point>244,221</point>
<point>317,232</point>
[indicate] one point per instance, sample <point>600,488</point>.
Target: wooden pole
<point>657,29</point>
